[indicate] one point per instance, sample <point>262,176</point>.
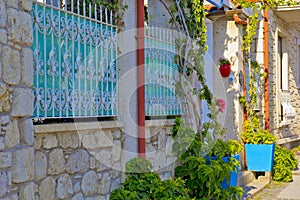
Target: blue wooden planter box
<point>233,174</point>
<point>260,157</point>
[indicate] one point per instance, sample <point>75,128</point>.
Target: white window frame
<point>285,111</point>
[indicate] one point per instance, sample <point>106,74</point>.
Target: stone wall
<point>288,31</point>
<point>228,44</point>
<point>16,101</point>
<point>77,161</point>
<point>159,147</point>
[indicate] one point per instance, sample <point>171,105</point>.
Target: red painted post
<point>141,79</point>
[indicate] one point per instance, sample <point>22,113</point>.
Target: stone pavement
<point>292,190</point>
<point>276,190</point>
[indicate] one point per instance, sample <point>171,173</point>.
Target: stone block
<point>68,140</point>
<point>27,191</point>
<point>56,163</point>
<point>26,131</point>
<point>116,170</point>
<point>3,183</point>
<point>5,159</point>
<point>12,136</point>
<point>2,144</point>
<point>115,184</point>
<point>3,89</point>
<point>19,27</point>
<point>64,188</point>
<point>161,140</point>
<point>160,160</point>
<point>78,196</point>
<point>23,165</point>
<point>116,151</point>
<point>47,188</point>
<point>5,102</point>
<point>77,187</point>
<point>92,162</point>
<point>50,141</point>
<point>38,142</point>
<point>102,197</point>
<point>11,70</point>
<point>3,35</point>
<point>3,14</point>
<point>105,184</point>
<point>40,168</point>
<point>4,120</point>
<point>26,4</point>
<point>12,3</point>
<point>96,140</point>
<point>27,67</point>
<point>23,99</point>
<point>104,156</point>
<point>89,183</point>
<point>78,162</point>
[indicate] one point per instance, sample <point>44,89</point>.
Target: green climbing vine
<point>190,15</point>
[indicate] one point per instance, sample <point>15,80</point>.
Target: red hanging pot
<point>225,70</point>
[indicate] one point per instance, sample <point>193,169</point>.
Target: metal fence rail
<point>75,62</point>
<point>161,73</point>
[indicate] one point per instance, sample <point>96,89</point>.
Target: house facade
<point>70,117</point>
<point>284,74</point>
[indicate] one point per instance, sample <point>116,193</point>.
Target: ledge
<point>80,126</point>
<point>228,13</point>
<point>159,122</point>
<point>288,139</point>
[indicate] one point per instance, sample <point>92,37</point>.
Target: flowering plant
<point>224,61</point>
<point>221,105</point>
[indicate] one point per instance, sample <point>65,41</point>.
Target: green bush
<point>226,148</point>
<point>203,179</point>
<point>284,163</point>
<point>141,183</point>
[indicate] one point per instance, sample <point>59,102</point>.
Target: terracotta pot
<point>225,70</point>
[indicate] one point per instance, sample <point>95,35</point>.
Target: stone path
<point>282,191</point>
<point>292,190</point>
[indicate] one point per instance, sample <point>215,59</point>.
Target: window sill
<point>80,126</point>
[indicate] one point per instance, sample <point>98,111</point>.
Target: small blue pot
<point>260,157</point>
<point>233,174</point>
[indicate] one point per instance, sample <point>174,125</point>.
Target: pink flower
<point>221,104</point>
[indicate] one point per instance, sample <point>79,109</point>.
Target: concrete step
<point>251,185</point>
<point>245,177</point>
<point>253,188</point>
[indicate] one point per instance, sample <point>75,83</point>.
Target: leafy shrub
<point>284,162</point>
<point>258,137</point>
<point>141,183</point>
<point>137,166</point>
<point>226,148</point>
<point>296,150</point>
<point>203,179</point>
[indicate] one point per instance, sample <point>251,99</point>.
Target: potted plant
<point>259,148</point>
<point>227,151</point>
<point>225,67</point>
<point>259,143</point>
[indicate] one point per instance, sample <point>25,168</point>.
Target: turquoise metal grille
<point>161,73</point>
<point>75,63</point>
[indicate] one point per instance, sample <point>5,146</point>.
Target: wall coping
<point>159,122</point>
<point>288,139</point>
<point>79,126</point>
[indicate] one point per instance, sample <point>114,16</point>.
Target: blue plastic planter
<point>233,174</point>
<point>260,157</point>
